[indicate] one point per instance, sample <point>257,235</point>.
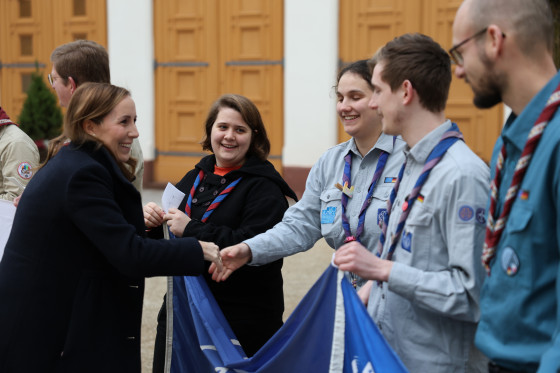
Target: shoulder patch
<point>466,213</point>
<point>25,171</point>
<point>481,215</point>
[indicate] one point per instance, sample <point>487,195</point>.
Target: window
<point>24,8</point>
<point>25,82</point>
<point>79,7</point>
<point>26,45</point>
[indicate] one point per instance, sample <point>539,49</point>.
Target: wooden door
<point>366,25</point>
<point>481,128</point>
<point>31,29</point>
<point>186,78</point>
<point>205,48</point>
<point>24,43</point>
<point>252,64</point>
<point>79,19</point>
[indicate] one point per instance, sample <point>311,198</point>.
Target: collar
<point>100,154</point>
<point>5,119</point>
<point>384,143</point>
<point>516,130</point>
<point>424,147</point>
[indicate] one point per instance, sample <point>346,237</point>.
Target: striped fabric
<point>495,226</point>
<point>447,140</point>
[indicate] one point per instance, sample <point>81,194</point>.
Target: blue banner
<point>329,331</point>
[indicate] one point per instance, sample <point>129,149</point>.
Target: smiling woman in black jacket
<point>232,195</point>
<point>72,275</point>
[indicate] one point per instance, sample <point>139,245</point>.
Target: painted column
<point>130,39</point>
<point>310,68</point>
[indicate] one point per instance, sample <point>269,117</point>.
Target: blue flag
<point>329,331</point>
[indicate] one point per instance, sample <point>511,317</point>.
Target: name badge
<point>328,214</point>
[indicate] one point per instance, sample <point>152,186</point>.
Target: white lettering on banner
<point>367,369</point>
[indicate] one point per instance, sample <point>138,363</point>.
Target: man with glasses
<point>84,61</point>
<point>519,328</point>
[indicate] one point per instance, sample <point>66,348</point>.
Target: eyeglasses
<point>50,78</point>
<point>456,56</point>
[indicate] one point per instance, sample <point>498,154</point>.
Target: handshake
<point>223,263</point>
<point>226,261</point>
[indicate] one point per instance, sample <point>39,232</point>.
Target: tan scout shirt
<point>19,159</point>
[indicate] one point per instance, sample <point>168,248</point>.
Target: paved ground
<point>300,273</point>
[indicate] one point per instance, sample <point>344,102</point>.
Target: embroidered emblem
<point>406,241</point>
<point>25,171</point>
<point>466,213</point>
<point>390,179</point>
<point>328,214</point>
<point>381,213</point>
<point>481,216</point>
<point>510,261</point>
<point>523,195</point>
<point>348,191</point>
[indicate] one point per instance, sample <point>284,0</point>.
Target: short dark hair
<point>83,60</point>
<point>422,61</point>
<point>360,68</point>
<point>260,145</point>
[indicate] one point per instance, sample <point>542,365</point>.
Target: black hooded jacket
<point>252,298</point>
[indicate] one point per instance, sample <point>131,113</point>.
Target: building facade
<point>178,56</point>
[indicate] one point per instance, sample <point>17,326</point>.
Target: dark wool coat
<point>72,275</point>
<point>252,299</point>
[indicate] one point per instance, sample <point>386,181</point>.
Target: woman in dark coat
<point>72,275</point>
<point>253,300</point>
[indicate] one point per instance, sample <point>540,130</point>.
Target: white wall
<point>131,56</point>
<point>310,67</point>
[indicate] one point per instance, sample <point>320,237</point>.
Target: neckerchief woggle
<point>447,140</point>
<point>495,225</point>
<point>215,203</point>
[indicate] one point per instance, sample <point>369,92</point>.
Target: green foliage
<point>40,117</point>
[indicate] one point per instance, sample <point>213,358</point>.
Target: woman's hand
<point>233,257</point>
<point>153,215</point>
<point>177,221</point>
<point>211,253</point>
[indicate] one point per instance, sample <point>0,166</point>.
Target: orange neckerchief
<point>221,171</point>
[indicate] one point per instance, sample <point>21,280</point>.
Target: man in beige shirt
<point>19,158</point>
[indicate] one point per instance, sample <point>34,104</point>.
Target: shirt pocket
<point>382,192</point>
<point>331,209</point>
<point>516,249</point>
<point>377,209</point>
<point>416,239</point>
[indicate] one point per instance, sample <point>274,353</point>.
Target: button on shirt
<point>429,308</point>
<point>318,213</point>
